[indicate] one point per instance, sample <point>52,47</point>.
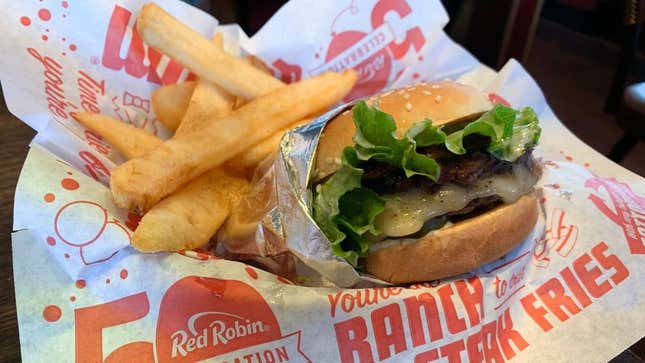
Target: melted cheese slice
<point>406,212</point>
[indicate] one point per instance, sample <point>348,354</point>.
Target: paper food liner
<point>570,292</point>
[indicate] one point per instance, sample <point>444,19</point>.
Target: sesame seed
<point>318,187</point>
<point>437,99</point>
<point>427,93</point>
<point>435,86</point>
<point>412,88</point>
<point>406,96</point>
<point>408,106</point>
<point>337,161</point>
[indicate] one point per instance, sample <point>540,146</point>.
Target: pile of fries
<point>225,124</point>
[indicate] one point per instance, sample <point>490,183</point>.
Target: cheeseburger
<point>426,182</point>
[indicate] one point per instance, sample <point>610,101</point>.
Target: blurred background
<point>583,53</point>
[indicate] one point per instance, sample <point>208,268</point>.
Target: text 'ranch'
<point>432,317</point>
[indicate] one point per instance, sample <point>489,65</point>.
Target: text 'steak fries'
<point>142,182</point>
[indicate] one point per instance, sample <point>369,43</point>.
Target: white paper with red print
<point>571,292</point>
<point>388,43</point>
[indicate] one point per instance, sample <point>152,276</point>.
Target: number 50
<point>90,322</point>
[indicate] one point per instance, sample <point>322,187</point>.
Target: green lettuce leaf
<point>374,128</point>
<point>375,138</point>
<point>526,133</point>
<point>325,206</point>
<point>344,211</point>
<point>510,132</point>
<point>358,208</point>
<point>424,134</point>
<point>414,163</point>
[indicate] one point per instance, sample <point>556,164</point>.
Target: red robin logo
<point>202,317</point>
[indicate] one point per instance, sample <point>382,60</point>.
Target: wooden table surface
<point>14,140</point>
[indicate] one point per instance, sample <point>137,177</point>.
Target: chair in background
<point>628,104</point>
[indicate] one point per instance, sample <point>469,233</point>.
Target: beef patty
<point>459,169</point>
<point>464,170</point>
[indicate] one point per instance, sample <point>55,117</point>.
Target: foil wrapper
<point>284,221</point>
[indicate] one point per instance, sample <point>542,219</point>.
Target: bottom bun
<point>458,248</point>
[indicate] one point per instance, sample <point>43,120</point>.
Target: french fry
<point>253,156</point>
<point>142,182</point>
<point>208,102</point>
<point>134,142</point>
<point>260,65</point>
<point>164,32</point>
<point>131,141</point>
<point>218,41</point>
<point>170,102</point>
<point>189,217</point>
